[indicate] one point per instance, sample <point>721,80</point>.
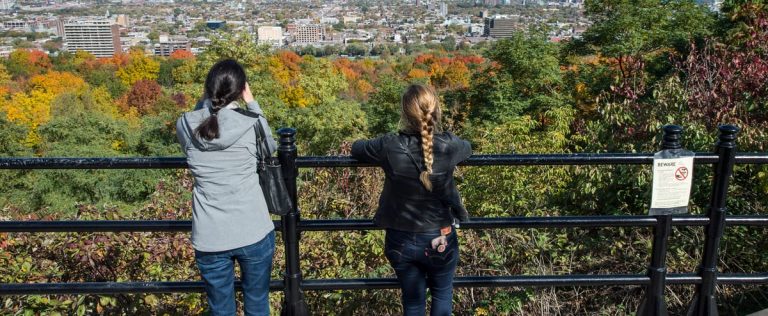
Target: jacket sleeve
<point>181,135</point>
<point>461,149</point>
<point>254,107</point>
<point>369,150</point>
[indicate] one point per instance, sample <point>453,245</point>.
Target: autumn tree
<point>639,35</point>
<point>186,72</point>
<point>181,54</point>
<point>33,107</point>
<point>238,46</point>
<point>320,80</point>
<point>27,62</point>
<point>140,67</point>
<point>104,76</point>
<point>143,96</point>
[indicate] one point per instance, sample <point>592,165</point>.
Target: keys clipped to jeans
<point>441,242</point>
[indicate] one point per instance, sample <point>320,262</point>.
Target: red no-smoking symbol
<point>681,173</point>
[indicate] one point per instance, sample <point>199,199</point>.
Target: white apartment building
<point>270,35</point>
<point>98,36</point>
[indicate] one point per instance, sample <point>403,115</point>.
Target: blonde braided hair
<point>421,114</point>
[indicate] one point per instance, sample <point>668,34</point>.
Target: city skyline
<point>301,23</point>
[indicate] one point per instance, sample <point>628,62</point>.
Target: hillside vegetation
<point>641,65</point>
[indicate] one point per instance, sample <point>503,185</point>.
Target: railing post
<point>653,303</point>
<point>294,304</point>
<point>704,302</point>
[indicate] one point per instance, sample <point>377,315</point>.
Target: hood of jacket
<point>232,126</point>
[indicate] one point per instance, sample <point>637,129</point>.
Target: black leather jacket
<point>404,203</point>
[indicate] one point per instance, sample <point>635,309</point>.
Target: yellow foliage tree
<point>287,76</point>
<point>456,75</point>
<point>5,77</point>
<point>101,101</point>
<point>186,72</point>
<point>416,73</point>
<point>33,108</point>
<point>55,82</point>
<point>139,68</point>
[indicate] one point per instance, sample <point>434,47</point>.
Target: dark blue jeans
<point>418,266</point>
<point>218,272</point>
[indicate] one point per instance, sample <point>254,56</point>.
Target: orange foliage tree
<point>360,75</point>
<point>181,54</point>
<point>28,62</point>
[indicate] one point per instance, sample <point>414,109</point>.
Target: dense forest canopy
<point>641,65</point>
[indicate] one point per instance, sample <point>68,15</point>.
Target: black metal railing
<point>291,226</point>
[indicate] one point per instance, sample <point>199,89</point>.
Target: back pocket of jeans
<point>440,259</point>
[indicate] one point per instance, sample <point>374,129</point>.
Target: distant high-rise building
<point>98,36</point>
<point>309,33</point>
<point>499,27</point>
<point>169,44</point>
<point>443,9</point>
<point>270,35</point>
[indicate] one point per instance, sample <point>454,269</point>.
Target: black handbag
<point>271,180</point>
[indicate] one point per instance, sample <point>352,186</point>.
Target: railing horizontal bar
<point>346,161</point>
<point>114,287</point>
<point>102,226</point>
<point>375,283</point>
<point>485,281</point>
<point>543,222</point>
<point>751,158</point>
<point>367,224</point>
<point>742,278</point>
<point>94,163</point>
<point>525,160</point>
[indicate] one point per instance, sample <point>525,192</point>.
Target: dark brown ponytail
<point>225,83</point>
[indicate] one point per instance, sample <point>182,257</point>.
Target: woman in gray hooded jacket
<point>230,221</point>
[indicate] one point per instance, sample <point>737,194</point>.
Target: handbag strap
<point>261,140</point>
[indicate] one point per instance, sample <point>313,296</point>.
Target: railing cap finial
<point>672,136</point>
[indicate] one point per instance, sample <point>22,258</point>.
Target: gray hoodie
<point>228,207</point>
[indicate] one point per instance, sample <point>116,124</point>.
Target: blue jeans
<point>418,266</point>
<point>218,272</point>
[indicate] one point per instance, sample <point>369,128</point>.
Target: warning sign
<point>671,183</point>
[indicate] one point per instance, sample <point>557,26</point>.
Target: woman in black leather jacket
<point>420,202</point>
